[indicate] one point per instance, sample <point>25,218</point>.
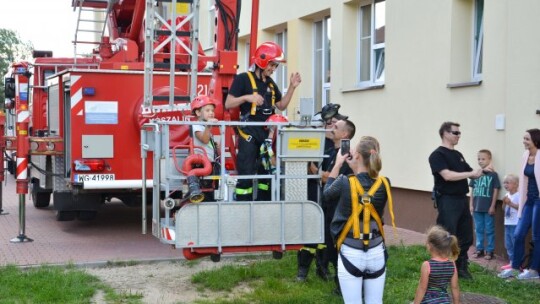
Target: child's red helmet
<point>277,118</point>
<point>267,52</point>
<point>201,101</point>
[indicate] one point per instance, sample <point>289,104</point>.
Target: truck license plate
<point>80,178</point>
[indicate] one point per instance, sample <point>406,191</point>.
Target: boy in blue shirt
<point>484,193</point>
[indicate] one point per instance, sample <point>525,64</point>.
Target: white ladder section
<point>172,33</point>
<point>91,24</point>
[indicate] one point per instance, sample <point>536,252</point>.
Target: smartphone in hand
<point>345,146</point>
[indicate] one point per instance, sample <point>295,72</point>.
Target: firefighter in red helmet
<point>257,95</point>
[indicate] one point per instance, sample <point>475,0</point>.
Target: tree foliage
<point>12,48</point>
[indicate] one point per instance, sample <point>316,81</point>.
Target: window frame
<point>280,76</point>
<point>211,24</point>
<point>478,40</point>
<point>376,64</point>
<point>247,60</point>
<point>322,62</point>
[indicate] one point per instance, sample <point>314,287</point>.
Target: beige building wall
<point>428,76</point>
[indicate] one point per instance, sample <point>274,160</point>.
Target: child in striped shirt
<point>440,270</point>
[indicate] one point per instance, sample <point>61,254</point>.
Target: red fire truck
<point>85,114</point>
<point>92,120</point>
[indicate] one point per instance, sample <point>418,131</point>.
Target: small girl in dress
<point>440,270</point>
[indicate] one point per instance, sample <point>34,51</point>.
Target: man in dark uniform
<point>329,115</point>
<point>257,95</point>
<point>450,172</point>
<point>343,129</point>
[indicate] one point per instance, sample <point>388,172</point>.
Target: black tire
<point>11,167</point>
<point>65,216</point>
<point>277,255</point>
<point>41,199</point>
<point>215,257</point>
<point>86,215</point>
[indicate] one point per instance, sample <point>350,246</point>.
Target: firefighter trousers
<point>248,163</point>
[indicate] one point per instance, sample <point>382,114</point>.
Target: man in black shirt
<point>343,129</point>
<point>257,96</point>
<point>329,115</point>
<point>451,171</point>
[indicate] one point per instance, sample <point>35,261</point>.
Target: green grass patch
<point>274,281</point>
<point>48,284</point>
<point>258,280</point>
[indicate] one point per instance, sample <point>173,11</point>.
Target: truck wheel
<point>215,257</point>
<point>86,215</point>
<point>11,167</point>
<point>41,199</point>
<point>277,255</point>
<point>64,216</point>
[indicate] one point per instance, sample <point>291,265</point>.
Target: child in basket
<point>203,107</point>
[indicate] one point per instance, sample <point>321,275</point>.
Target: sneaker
<point>508,273</point>
<point>507,266</point>
<point>478,254</point>
<point>528,274</point>
<point>489,256</point>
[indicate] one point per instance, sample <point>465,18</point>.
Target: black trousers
<point>248,163</point>
<point>455,216</point>
<point>332,254</point>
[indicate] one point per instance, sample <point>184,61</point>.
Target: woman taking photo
<point>357,224</point>
<point>529,209</point>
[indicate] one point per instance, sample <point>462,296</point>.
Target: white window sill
<point>363,88</point>
<point>456,85</point>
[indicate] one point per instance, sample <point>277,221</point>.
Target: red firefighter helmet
<point>277,118</point>
<point>201,101</point>
<point>267,52</point>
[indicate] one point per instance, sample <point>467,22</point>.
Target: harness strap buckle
<point>366,236</point>
<point>266,111</point>
<point>366,198</point>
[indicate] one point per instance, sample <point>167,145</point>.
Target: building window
<point>321,65</point>
<point>281,72</point>
<point>372,42</point>
<point>211,23</point>
<point>247,59</point>
<point>478,39</point>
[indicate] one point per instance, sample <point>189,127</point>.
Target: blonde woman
<point>357,226</point>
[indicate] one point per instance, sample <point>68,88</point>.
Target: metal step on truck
<point>286,222</point>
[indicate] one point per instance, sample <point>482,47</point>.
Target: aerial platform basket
<point>221,227</point>
<point>288,222</point>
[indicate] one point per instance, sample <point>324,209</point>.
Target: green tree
<point>12,48</point>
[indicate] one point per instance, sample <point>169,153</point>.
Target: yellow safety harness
<point>253,110</point>
<point>368,210</point>
<point>255,92</point>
